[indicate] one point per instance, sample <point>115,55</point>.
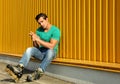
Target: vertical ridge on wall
<point>106,30</point>
<point>4,26</point>
<point>114,32</point>
<point>64,31</point>
<point>98,30</point>
<point>1,26</point>
<point>79,29</point>
<point>87,37</point>
<point>70,29</point>
<point>74,30</point>
<point>101,30</point>
<point>89,30</point>
<point>82,28</point>
<point>94,30</point>
<point>67,29</point>
<point>61,40</point>
<point>110,30</point>
<point>84,2</point>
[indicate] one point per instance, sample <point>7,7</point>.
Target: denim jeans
<point>45,55</point>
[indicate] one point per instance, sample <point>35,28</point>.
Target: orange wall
<point>90,29</point>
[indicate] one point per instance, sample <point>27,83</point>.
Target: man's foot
<point>15,71</point>
<point>35,75</point>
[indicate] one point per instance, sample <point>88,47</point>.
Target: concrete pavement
<point>6,79</point>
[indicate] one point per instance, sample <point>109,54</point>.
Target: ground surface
<point>6,79</point>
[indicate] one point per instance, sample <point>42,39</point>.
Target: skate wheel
<point>14,77</point>
<point>29,78</point>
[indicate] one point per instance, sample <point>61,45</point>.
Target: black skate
<point>35,75</point>
<point>14,71</point>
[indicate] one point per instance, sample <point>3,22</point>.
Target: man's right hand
<point>33,35</point>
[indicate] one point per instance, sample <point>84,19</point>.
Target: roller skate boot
<point>15,72</point>
<point>35,75</point>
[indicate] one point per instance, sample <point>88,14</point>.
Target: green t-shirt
<point>52,33</point>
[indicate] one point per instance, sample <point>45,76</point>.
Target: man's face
<point>43,22</point>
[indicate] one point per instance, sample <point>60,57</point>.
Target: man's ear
<point>46,19</point>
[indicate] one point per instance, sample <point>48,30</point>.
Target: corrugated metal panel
<point>1,26</point>
<point>89,28</point>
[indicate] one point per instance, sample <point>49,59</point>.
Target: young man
<point>45,48</point>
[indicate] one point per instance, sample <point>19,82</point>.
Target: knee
<point>28,50</point>
<point>50,53</point>
<point>31,50</point>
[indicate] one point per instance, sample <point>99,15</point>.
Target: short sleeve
<point>37,32</point>
<point>56,35</point>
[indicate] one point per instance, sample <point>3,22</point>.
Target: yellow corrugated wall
<point>90,29</point>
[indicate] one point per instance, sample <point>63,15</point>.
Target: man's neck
<point>48,27</point>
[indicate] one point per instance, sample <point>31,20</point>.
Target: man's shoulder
<point>56,31</point>
<point>55,28</point>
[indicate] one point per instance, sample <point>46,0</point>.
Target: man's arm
<point>39,42</point>
<point>49,45</point>
<point>53,41</point>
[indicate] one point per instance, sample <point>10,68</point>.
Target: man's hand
<point>33,36</point>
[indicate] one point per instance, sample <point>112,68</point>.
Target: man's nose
<point>41,24</point>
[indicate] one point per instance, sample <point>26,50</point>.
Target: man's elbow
<point>51,47</point>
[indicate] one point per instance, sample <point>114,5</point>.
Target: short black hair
<point>41,15</point>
